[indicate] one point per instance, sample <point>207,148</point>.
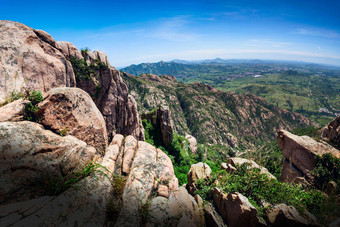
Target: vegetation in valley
<point>258,188</point>
<point>327,169</point>
<point>303,88</point>
<point>180,154</point>
<point>212,116</point>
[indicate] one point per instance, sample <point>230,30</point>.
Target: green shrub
<point>85,72</point>
<point>35,97</point>
<point>118,183</point>
<point>63,132</point>
<point>308,131</point>
<point>258,187</point>
<point>59,185</point>
<point>327,169</point>
<point>12,97</point>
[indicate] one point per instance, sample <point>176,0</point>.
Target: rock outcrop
<point>31,157</point>
<point>197,171</point>
<point>72,111</point>
<point>232,163</point>
<point>84,204</point>
<point>331,132</point>
<point>161,118</point>
<point>235,209</point>
<point>299,153</point>
<point>150,193</point>
<point>13,111</point>
<point>283,215</point>
<point>30,59</point>
<point>192,143</point>
<point>130,182</point>
<point>108,91</point>
<point>212,218</point>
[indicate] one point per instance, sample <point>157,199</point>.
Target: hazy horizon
<point>133,32</point>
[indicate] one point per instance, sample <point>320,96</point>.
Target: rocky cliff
<point>32,59</point>
<point>73,177</point>
<point>211,115</point>
<point>331,132</point>
<point>162,121</point>
<point>300,156</point>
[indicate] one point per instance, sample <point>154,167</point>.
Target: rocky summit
<point>83,144</point>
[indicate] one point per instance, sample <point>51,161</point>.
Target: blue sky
<point>131,32</point>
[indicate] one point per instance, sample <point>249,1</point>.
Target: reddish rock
<point>235,209</point>
<point>84,204</point>
<point>301,151</point>
<point>13,111</point>
<point>291,174</point>
<point>71,110</point>
<point>128,153</point>
<point>331,132</point>
<point>111,95</point>
<point>46,38</point>
<point>228,167</point>
<point>151,170</point>
<point>192,143</point>
<point>31,59</point>
<point>212,218</point>
<point>163,190</point>
<point>161,117</point>
<point>283,215</point>
<point>179,210</point>
<point>69,50</point>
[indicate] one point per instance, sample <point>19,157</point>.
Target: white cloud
<point>318,32</point>
<point>266,43</point>
<point>173,29</point>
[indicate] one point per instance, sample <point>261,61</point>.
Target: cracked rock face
<point>149,195</point>
<point>109,92</point>
<point>30,59</point>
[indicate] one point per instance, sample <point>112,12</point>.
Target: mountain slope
<point>310,89</point>
<point>212,116</point>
